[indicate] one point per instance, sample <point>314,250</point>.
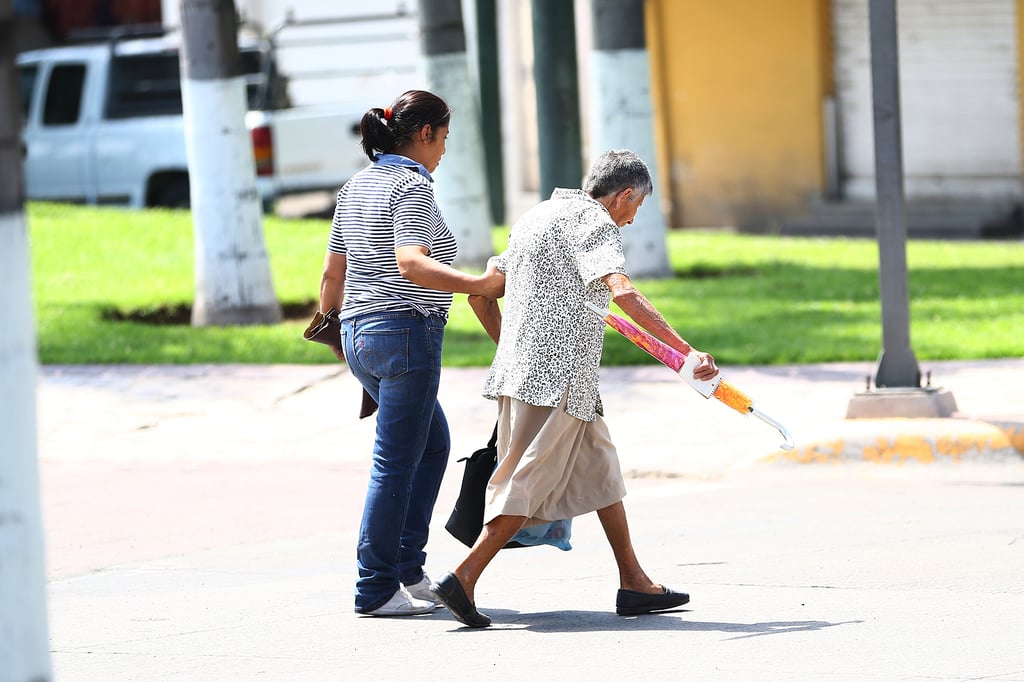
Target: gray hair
<point>615,171</point>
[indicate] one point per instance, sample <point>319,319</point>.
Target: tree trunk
<point>490,104</point>
<point>232,269</point>
<point>622,117</point>
<point>461,187</point>
<point>24,640</point>
<point>558,99</point>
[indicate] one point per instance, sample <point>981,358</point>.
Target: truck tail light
<point>263,151</point>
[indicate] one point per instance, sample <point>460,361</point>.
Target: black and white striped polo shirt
<point>382,207</point>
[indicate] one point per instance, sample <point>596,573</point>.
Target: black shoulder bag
<point>467,518</point>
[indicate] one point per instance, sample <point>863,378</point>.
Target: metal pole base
<point>914,403</point>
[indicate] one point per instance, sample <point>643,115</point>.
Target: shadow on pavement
<point>604,621</point>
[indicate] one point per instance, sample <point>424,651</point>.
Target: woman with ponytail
<point>388,278</point>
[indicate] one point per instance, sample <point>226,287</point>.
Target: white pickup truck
<point>103,125</point>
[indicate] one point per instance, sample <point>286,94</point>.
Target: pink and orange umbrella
<point>683,364</point>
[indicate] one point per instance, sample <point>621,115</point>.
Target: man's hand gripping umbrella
<point>683,366</point>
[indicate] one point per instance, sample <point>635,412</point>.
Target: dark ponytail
<point>377,137</point>
<point>384,130</point>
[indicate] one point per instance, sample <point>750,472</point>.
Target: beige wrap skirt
<point>551,465</point>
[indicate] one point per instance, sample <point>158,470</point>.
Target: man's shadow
<point>663,621</point>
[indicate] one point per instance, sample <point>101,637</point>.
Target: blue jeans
<point>396,356</point>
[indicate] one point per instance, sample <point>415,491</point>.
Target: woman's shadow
<point>665,621</point>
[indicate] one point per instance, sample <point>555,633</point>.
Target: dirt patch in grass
<point>171,314</point>
<point>705,271</point>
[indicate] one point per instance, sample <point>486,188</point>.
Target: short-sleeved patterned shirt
<point>550,345</point>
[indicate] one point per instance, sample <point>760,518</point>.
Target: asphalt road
<point>201,526</point>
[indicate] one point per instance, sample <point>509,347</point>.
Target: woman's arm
<point>489,314</point>
<point>332,281</point>
<point>332,289</point>
<point>419,268</point>
<point>643,312</point>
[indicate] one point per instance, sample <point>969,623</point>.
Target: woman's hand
<point>493,281</point>
<point>706,370</point>
<point>338,353</point>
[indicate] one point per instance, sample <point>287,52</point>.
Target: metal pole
<point>897,366</point>
<point>558,100</point>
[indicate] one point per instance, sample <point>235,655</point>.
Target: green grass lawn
<point>746,299</point>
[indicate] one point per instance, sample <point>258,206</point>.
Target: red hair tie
<point>387,114</point>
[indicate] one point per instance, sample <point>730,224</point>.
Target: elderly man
<point>556,459</point>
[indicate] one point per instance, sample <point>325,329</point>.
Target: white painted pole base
<point>622,117</point>
<point>232,269</point>
<point>461,179</point>
<point>24,639</point>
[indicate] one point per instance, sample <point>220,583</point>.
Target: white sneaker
<point>421,591</point>
<point>401,604</point>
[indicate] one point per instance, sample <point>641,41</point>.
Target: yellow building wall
<point>739,87</point>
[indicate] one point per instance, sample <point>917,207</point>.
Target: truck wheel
<point>173,193</point>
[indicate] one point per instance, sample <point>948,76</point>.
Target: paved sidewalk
<point>201,525</point>
<point>661,426</point>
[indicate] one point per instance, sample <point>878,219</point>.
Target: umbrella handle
<point>788,444</point>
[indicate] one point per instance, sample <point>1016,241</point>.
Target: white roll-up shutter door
<point>959,98</point>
